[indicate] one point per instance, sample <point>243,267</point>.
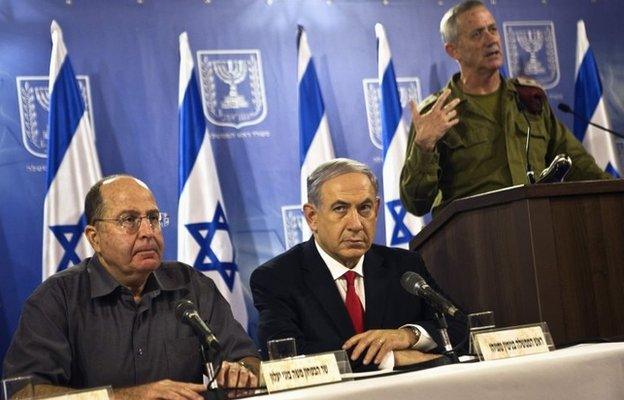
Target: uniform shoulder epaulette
<point>530,93</point>
<point>428,102</point>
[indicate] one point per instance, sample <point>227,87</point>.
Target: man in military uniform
<point>470,137</point>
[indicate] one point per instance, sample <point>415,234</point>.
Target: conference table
<point>587,371</point>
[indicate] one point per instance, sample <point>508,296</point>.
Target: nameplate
<point>494,345</point>
<point>90,394</point>
<point>297,372</point>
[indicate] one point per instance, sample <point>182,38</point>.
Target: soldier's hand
<point>431,126</point>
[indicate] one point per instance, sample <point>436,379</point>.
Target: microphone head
<point>412,282</point>
<point>183,307</point>
<point>565,108</point>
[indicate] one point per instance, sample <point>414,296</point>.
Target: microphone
<point>186,312</point>
<point>557,170</point>
<point>529,170</point>
<point>569,110</point>
<point>416,285</point>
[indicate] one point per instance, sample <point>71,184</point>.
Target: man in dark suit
<point>338,290</point>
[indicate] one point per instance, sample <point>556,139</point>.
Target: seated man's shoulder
<point>397,255</point>
<point>285,259</point>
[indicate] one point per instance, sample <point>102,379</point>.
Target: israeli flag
<point>588,103</point>
<point>400,225</point>
<point>204,239</point>
<point>73,165</point>
<point>315,143</point>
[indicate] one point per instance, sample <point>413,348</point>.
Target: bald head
<point>94,201</point>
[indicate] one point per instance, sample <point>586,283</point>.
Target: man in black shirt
<point>110,320</point>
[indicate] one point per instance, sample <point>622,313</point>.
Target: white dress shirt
<point>337,270</point>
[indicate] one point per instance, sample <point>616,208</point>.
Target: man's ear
<point>377,203</point>
<point>93,237</point>
<point>311,216</point>
<point>451,50</point>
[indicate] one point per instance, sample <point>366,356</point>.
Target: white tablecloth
<point>592,371</point>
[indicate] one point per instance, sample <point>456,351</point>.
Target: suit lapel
<point>376,283</point>
<point>323,288</point>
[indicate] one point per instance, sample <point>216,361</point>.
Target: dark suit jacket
<point>297,297</point>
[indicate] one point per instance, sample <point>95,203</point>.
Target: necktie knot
<point>350,277</point>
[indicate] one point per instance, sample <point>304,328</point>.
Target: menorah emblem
<point>232,72</point>
<point>34,106</point>
<point>409,89</point>
<point>42,94</point>
<point>532,42</point>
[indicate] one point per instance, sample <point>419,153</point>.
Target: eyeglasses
<point>131,222</point>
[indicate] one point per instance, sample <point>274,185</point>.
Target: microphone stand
<point>212,363</point>
<point>446,341</point>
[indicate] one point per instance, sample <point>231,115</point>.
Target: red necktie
<point>352,301</point>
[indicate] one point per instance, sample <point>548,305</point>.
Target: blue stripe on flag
<point>390,107</point>
<point>588,91</point>
<point>611,170</point>
<point>193,126</point>
<point>311,109</point>
<point>66,110</point>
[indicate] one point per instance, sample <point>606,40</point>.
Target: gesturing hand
<point>431,126</point>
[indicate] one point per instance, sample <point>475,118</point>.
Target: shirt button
<point>140,351</point>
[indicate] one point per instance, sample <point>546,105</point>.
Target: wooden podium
<point>551,253</point>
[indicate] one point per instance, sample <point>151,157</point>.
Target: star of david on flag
<point>73,165</point>
<point>204,234</point>
<point>400,225</point>
<point>204,239</point>
<point>589,103</point>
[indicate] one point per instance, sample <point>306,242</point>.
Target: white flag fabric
<point>589,103</point>
<point>315,143</point>
<point>73,166</point>
<point>400,225</point>
<point>204,239</point>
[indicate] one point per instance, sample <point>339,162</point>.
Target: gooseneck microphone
<point>569,110</point>
<point>186,312</point>
<point>529,170</point>
<point>416,285</point>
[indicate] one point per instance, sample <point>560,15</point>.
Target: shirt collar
<point>457,92</point>
<point>103,283</point>
<point>336,269</point>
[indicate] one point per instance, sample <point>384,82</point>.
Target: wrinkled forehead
<point>474,18</point>
<point>125,193</point>
<point>347,185</point>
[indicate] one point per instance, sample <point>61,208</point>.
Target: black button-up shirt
<point>81,328</point>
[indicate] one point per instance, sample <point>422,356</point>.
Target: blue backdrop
<point>128,49</point>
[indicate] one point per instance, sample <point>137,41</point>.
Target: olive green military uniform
<point>478,154</point>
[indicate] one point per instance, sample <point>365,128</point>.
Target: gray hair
<point>332,169</point>
<point>448,24</point>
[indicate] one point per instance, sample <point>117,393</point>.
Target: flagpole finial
<point>183,38</point>
<point>55,30</point>
<point>300,34</point>
<point>379,30</point>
